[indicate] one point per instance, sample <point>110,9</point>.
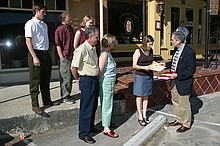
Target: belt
<point>88,76</point>
<point>42,51</point>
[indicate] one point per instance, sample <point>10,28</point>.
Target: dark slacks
<point>40,76</point>
<point>89,87</point>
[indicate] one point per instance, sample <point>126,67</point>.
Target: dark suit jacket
<point>186,68</point>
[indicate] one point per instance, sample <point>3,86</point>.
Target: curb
<point>33,124</point>
<point>146,132</point>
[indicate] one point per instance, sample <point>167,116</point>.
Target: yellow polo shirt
<point>86,60</point>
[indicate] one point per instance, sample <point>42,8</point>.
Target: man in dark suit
<point>183,65</point>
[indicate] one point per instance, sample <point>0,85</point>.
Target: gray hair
<point>91,31</point>
<point>178,35</point>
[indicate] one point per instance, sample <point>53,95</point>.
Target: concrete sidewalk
<point>17,117</point>
<point>205,130</point>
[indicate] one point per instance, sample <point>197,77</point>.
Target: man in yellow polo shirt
<point>85,69</point>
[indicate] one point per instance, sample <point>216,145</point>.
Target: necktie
<point>174,62</point>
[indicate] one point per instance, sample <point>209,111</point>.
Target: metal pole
<point>207,33</point>
<point>144,19</point>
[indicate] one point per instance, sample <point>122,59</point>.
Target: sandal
<point>146,120</point>
<point>142,122</point>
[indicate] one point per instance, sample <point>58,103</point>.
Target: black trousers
<point>40,76</point>
<point>89,87</point>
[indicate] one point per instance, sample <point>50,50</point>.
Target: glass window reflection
<point>13,49</point>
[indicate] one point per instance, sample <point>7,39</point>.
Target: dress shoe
<point>141,122</point>
<point>95,130</point>
<point>113,125</point>
<point>38,111</point>
<point>52,104</point>
<point>111,134</point>
<point>89,140</point>
<point>175,123</point>
<point>182,129</point>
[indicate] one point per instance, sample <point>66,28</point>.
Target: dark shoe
<point>53,104</point>
<point>89,140</point>
<point>146,120</point>
<point>141,122</point>
<point>113,125</point>
<point>95,130</point>
<point>44,114</point>
<point>182,129</point>
<point>175,123</point>
<point>111,134</point>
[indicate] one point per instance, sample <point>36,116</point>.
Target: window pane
<point>4,3</point>
<point>125,21</point>
<point>13,48</point>
<point>61,4</point>
<point>13,51</point>
<point>189,25</point>
<point>39,2</point>
<point>50,4</point>
<point>15,4</point>
<point>200,27</point>
<point>27,4</point>
<point>175,18</point>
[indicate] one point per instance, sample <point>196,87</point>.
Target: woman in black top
<point>143,77</point>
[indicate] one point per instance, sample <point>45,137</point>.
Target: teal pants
<point>106,85</point>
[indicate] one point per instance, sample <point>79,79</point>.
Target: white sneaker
<point>68,101</point>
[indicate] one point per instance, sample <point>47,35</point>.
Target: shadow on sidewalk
<point>22,96</point>
<point>117,119</point>
<point>196,104</point>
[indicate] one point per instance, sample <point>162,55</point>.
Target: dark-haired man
<point>183,29</point>
<point>39,59</point>
<point>183,66</point>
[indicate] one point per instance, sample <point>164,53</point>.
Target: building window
<point>189,25</point>
<point>175,18</point>
<point>39,1</point>
<point>200,27</point>
<point>27,4</point>
<point>13,50</point>
<point>125,21</point>
<point>50,4</point>
<point>4,3</point>
<point>60,5</point>
<point>15,4</point>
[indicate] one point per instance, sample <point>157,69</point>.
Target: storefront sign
<point>214,7</point>
<point>129,25</point>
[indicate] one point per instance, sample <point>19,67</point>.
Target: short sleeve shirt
<point>38,31</point>
<point>86,60</point>
<point>64,38</point>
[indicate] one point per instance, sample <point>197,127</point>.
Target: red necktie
<point>174,62</point>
